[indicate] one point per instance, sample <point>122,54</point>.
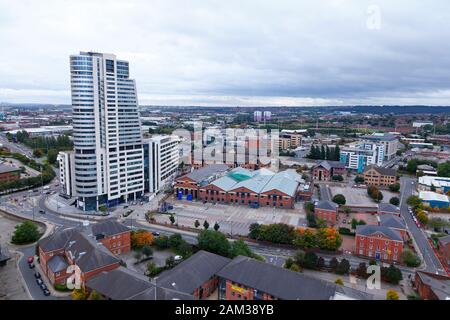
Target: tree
<point>337,177</point>
<point>310,260</point>
<point>391,274</point>
<point>240,248</point>
<point>196,224</point>
<point>392,295</point>
<point>361,271</point>
<point>411,166</point>
<point>138,255</point>
<point>444,169</point>
<point>343,267</point>
<point>295,268</point>
<point>359,179</point>
<point>37,153</point>
<point>339,199</point>
<point>170,262</point>
<point>328,239</point>
<point>395,187</point>
<point>254,231</point>
<point>410,258</point>
<point>206,225</point>
<point>141,238</point>
<point>277,233</point>
<point>305,238</point>
<point>394,201</point>
<point>94,295</point>
<point>79,294</point>
<point>175,240</point>
<point>334,264</point>
<point>152,269</point>
<point>216,226</point>
<point>337,153</point>
<point>147,251</point>
<point>299,257</point>
<point>161,242</point>
<point>414,201</point>
<point>52,154</point>
<point>288,263</point>
<point>184,250</point>
<point>356,223</point>
<point>26,232</point>
<point>215,242</point>
<point>422,217</point>
<point>172,219</point>
<point>320,263</point>
<point>339,282</point>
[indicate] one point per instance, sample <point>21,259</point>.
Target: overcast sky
<point>230,52</point>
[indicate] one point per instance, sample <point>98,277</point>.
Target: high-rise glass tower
<point>108,152</point>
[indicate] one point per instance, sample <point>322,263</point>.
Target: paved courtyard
<point>359,197</point>
<point>232,219</point>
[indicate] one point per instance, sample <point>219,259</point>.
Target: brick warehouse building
<point>325,170</point>
<point>327,211</point>
<point>431,286</point>
<point>378,242</point>
<point>113,235</point>
<point>378,176</point>
<point>259,188</point>
<point>80,247</point>
<point>9,174</point>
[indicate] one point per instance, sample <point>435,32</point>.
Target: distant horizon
<point>235,53</point>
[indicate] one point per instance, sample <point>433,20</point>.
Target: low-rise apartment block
<point>379,176</point>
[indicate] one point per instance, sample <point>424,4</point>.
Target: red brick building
<point>74,246</point>
<point>9,174</point>
<point>378,242</point>
<point>245,278</point>
<point>395,223</point>
<point>387,208</point>
<point>113,235</point>
<point>325,170</point>
<point>431,286</point>
<point>444,249</point>
<point>196,275</point>
<point>327,211</point>
<point>260,188</point>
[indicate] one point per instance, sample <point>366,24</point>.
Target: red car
<point>30,259</point>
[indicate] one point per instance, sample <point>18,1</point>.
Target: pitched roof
<point>368,230</point>
<point>6,168</point>
<point>392,221</point>
<point>204,173</point>
<point>125,284</point>
<point>327,164</point>
<point>108,228</point>
<point>444,240</point>
<point>57,263</point>
<point>193,272</point>
<point>433,196</point>
<point>326,205</point>
<point>382,171</point>
<point>276,281</point>
<point>285,181</point>
<point>82,249</point>
<point>440,285</point>
<point>387,207</point>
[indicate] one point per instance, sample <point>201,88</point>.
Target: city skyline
<point>210,54</point>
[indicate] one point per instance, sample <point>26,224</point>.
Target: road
<point>432,263</point>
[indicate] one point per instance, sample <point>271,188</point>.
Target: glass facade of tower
<point>107,132</point>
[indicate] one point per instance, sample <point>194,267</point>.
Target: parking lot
<point>358,196</point>
<point>232,219</point>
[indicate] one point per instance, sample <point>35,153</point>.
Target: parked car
<point>41,211</point>
<point>125,206</point>
<point>31,265</point>
<point>30,259</point>
<point>39,281</point>
<point>46,292</point>
<point>178,258</point>
<point>37,275</point>
<point>156,233</point>
<point>43,286</point>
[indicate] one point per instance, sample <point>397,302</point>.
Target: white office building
<point>66,172</point>
<point>108,160</point>
<point>161,160</point>
<point>389,142</point>
<point>360,155</point>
